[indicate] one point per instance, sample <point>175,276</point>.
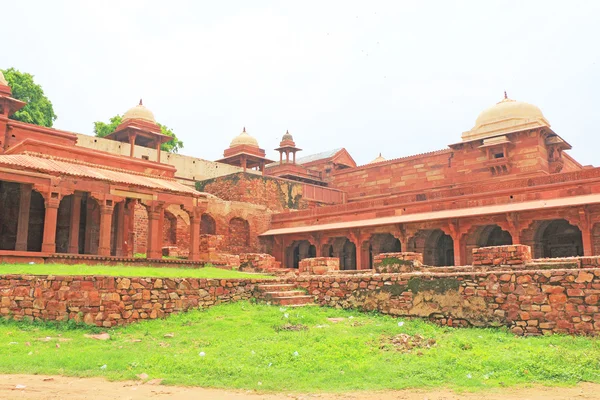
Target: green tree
<point>39,109</point>
<point>102,129</point>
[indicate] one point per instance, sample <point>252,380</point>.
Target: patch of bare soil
<point>405,343</point>
<point>42,387</point>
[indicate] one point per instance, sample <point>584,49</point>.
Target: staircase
<point>284,294</point>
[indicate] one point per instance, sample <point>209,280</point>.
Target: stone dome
<point>379,159</point>
<point>244,139</point>
<point>139,112</point>
<point>287,136</point>
<point>3,80</point>
<point>504,117</point>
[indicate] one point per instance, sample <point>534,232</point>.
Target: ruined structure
<point>509,180</point>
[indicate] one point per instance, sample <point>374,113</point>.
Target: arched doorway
<point>169,229</point>
<point>486,236</point>
<point>298,251</point>
<point>208,225</point>
<point>558,238</point>
<point>10,213</point>
<point>63,224</point>
<point>37,215</point>
<point>9,208</point>
<point>382,243</point>
<point>437,247</point>
<point>91,232</point>
<point>348,256</point>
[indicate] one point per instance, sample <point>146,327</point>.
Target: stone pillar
<point>194,254</point>
<point>161,228</point>
<point>106,212</point>
<point>243,162</point>
<point>158,151</point>
<point>89,215</point>
<point>120,230</point>
<point>23,218</point>
<point>458,249</point>
<point>128,221</point>
<point>154,241</point>
<point>49,238</point>
<point>74,223</point>
<point>588,242</point>
<point>132,145</point>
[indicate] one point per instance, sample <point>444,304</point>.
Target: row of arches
<point>78,220</point>
<point>550,239</point>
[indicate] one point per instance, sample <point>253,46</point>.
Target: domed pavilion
<point>138,127</point>
<point>244,152</point>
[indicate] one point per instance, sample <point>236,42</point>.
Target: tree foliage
<point>102,129</point>
<point>39,110</point>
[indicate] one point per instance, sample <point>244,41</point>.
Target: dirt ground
<point>58,387</point>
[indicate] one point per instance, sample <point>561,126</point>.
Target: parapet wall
<point>109,301</point>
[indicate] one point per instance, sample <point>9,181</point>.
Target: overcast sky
<point>395,77</point>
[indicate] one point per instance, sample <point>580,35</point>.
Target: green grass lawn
<point>243,345</point>
<point>147,272</point>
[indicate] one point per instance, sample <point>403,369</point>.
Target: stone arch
<point>208,226</point>
<point>169,229</point>
<point>37,215</point>
<point>239,234</point>
<point>298,251</point>
<point>436,246</point>
<point>9,207</point>
<point>348,256</point>
<point>63,224</point>
<point>91,235</point>
<point>485,236</point>
<point>10,203</point>
<point>327,250</point>
<point>557,238</point>
<point>382,243</point>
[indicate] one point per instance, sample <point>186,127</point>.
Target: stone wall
<point>276,194</point>
<point>258,262</point>
<point>502,255</point>
<point>109,301</point>
<point>319,265</point>
<point>397,262</point>
<point>528,301</point>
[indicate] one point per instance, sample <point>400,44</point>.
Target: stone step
<point>287,293</point>
<point>293,300</point>
<point>276,287</point>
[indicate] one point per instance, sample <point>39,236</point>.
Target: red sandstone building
<point>508,180</point>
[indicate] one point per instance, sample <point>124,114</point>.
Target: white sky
<point>397,77</point>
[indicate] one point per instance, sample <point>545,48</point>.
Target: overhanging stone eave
<point>468,137</point>
<point>442,215</point>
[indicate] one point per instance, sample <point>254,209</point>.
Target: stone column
<point>458,249</point>
<point>89,215</point>
<point>128,225</point>
<point>243,162</point>
<point>120,230</point>
<point>74,223</point>
<point>132,145</point>
<point>588,242</point>
<point>194,254</point>
<point>49,238</point>
<point>158,151</point>
<point>106,212</point>
<point>23,218</point>
<point>154,240</point>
